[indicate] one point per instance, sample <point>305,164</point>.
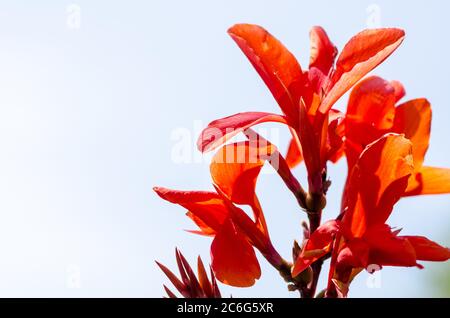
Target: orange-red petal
<point>310,139</point>
<point>206,207</point>
<point>220,130</point>
<point>427,250</point>
<point>233,258</point>
<point>413,119</point>
<point>274,63</point>
<point>235,168</point>
<point>294,154</point>
<point>336,133</point>
<point>370,114</point>
<point>322,52</point>
<point>429,180</point>
<point>387,249</point>
<point>377,182</point>
<point>361,54</point>
<point>318,245</point>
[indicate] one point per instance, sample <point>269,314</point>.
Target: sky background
<point>93,97</point>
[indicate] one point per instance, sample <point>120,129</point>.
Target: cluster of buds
<point>189,285</point>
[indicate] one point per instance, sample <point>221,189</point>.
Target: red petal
<point>294,154</point>
<point>336,132</point>
<point>370,114</point>
<point>274,63</point>
<point>377,182</point>
<point>280,165</point>
<point>233,258</point>
<point>323,52</point>
<point>361,54</point>
<point>354,254</point>
<point>206,206</point>
<point>310,142</point>
<point>235,169</point>
<point>318,245</point>
<point>387,249</point>
<point>256,233</point>
<point>413,119</point>
<point>218,131</point>
<point>427,250</point>
<point>399,90</point>
<point>429,180</point>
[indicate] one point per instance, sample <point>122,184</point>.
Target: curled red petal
<point>207,207</point>
<point>322,52</point>
<point>221,130</point>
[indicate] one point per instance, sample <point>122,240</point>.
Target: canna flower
<point>385,147</point>
<point>234,171</point>
<point>361,237</point>
<point>189,286</point>
<point>372,112</point>
<point>305,97</point>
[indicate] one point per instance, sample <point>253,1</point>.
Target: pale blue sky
<point>86,118</point>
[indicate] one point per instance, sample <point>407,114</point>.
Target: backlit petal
<point>429,180</point>
<point>274,63</point>
<point>413,119</point>
<point>361,54</point>
<point>336,133</point>
<point>387,249</point>
<point>370,114</point>
<point>427,250</point>
<point>323,52</point>
<point>294,154</point>
<point>377,182</point>
<point>220,130</point>
<point>318,245</point>
<point>235,168</point>
<point>208,207</point>
<point>233,258</point>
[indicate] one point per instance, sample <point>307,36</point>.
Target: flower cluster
<point>384,145</point>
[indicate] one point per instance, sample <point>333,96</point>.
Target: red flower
<point>234,170</point>
<point>372,112</point>
<point>379,178</point>
<point>384,145</point>
<point>305,97</point>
